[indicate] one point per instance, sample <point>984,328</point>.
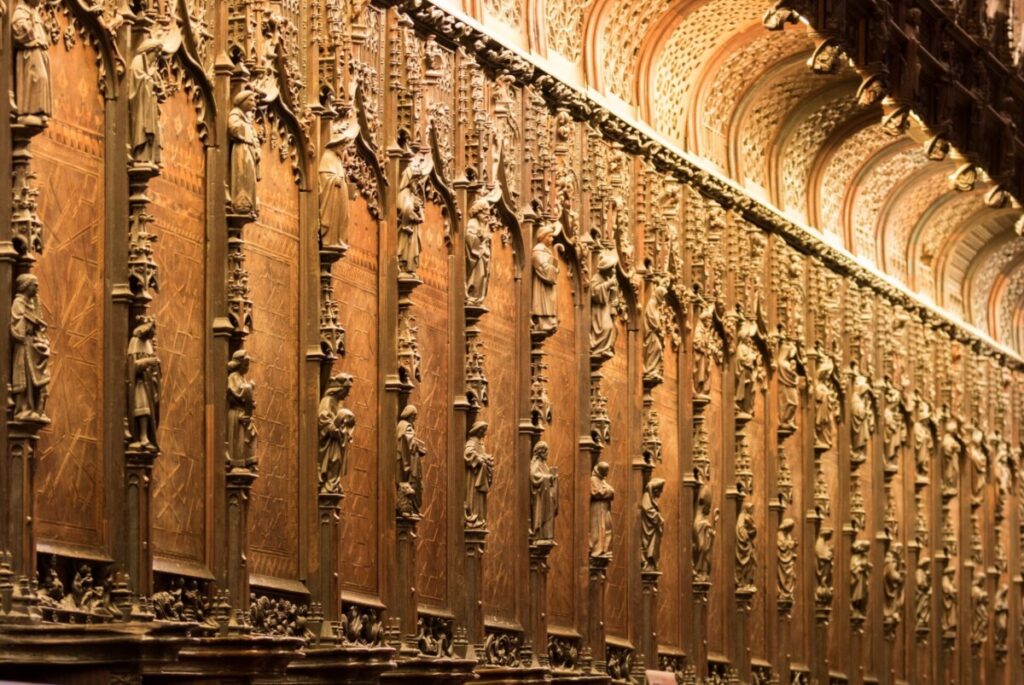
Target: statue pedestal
<point>238,483</point>
<point>406,581</point>
<point>598,578</point>
<point>540,550</point>
<point>649,618</point>
<point>474,545</point>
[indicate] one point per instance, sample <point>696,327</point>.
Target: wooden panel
<point>763,544</point>
<point>562,438</point>
<point>619,455</point>
<point>272,256</point>
<point>717,602</point>
<point>355,289</point>
<point>499,334</point>
<point>179,475</point>
<point>68,159</point>
<point>433,400</point>
<point>666,402</point>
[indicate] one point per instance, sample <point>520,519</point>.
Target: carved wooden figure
<point>894,428</point>
<point>33,96</point>
<point>978,456</point>
<point>601,496</point>
<point>143,387</point>
<point>748,368</point>
<point>30,352</point>
<point>860,574</point>
<point>479,475</point>
<point>789,370</point>
<point>241,406</point>
<point>922,430</point>
<point>654,335</point>
<point>245,155</point>
<point>952,449</point>
<point>705,525</point>
<point>706,346</point>
<point>652,525</point>
<point>543,494</point>
<point>478,250</point>
<point>545,272</point>
<point>603,295</point>
<point>923,595</point>
<point>824,557</point>
<point>334,188</point>
<point>862,414</point>
<point>786,549</point>
<point>826,409</point>
<point>893,579</point>
<point>336,426</point>
<point>145,89</point>
<point>411,202</point>
<point>949,601</point>
<point>979,612</point>
<point>411,451</point>
<point>746,559</point>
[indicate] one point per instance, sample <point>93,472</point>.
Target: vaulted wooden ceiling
<point>711,77</point>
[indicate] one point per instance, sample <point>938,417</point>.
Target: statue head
<point>787,524</point>
<point>601,469</point>
<point>245,100</point>
<point>540,451</point>
<point>478,430</point>
<point>149,45</point>
<point>339,384</point>
<point>825,533</point>
<point>546,233</point>
<point>27,284</point>
<point>924,562</point>
<point>607,261</point>
<point>409,414</point>
<point>656,486</point>
<point>146,329</point>
<point>239,362</point>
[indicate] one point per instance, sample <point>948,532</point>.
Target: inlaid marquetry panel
<point>355,287</point>
<point>433,399</point>
<point>68,160</point>
<point>272,257</point>
<point>178,208</point>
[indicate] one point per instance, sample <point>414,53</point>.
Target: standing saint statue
<point>862,414</point>
<point>785,545</point>
<point>704,530</point>
<point>747,368</point>
<point>479,475</point>
<point>33,95</point>
<point>603,294</point>
<point>601,496</point>
<point>244,167</point>
<point>706,344</point>
<point>923,595</point>
<point>543,311</point>
<point>411,204</point>
<point>334,189</point>
<point>922,432</point>
<point>949,601</point>
<point>789,370</point>
<point>654,335</point>
<point>241,406</point>
<point>336,426</point>
<point>952,449</point>
<point>860,571</point>
<point>746,561</point>
<point>145,88</point>
<point>894,428</point>
<point>143,387</point>
<point>411,450</point>
<point>978,456</point>
<point>543,495</point>
<point>824,556</point>
<point>478,250</point>
<point>652,525</point>
<point>893,577</point>
<point>826,407</point>
<point>30,352</point>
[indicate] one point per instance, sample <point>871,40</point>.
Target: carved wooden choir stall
<point>429,341</point>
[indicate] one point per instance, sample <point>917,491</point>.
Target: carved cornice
<point>457,30</point>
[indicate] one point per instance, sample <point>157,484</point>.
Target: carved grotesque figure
<point>543,494</point>
<point>241,405</point>
<point>824,556</point>
<point>949,602</point>
<point>860,571</point>
<point>411,451</point>
<point>790,368</point>
<point>785,544</point>
<point>145,88</point>
<point>862,414</point>
<point>654,335</point>
<point>143,387</point>
<point>30,352</point>
<point>479,475</point>
<point>893,578</point>
<point>746,561</point>
<point>334,189</point>
<point>245,154</point>
<point>411,203</point>
<point>603,295</point>
<point>336,426</point>
<point>704,529</point>
<point>923,595</point>
<point>478,251</point>
<point>543,311</point>
<point>652,525</point>
<point>32,91</point>
<point>601,496</point>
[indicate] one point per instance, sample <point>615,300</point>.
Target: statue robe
<point>145,115</point>
<point>29,369</point>
<point>601,495</point>
<point>478,260</point>
<point>32,90</point>
<point>543,499</point>
<point>143,375</point>
<point>334,199</point>
<point>245,162</point>
<point>545,274</point>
